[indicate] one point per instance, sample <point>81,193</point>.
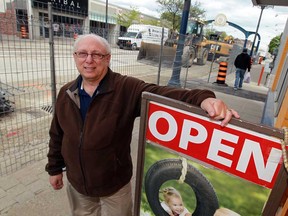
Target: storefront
<point>68,17</point>
<point>29,18</point>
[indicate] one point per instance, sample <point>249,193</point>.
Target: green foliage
<point>134,17</point>
<point>151,22</point>
<point>222,35</point>
<point>208,32</point>
<point>234,193</point>
<point>173,20</point>
<point>171,11</point>
<point>274,44</point>
<point>172,6</point>
<point>196,11</point>
<point>127,19</point>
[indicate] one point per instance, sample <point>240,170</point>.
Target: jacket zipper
<point>80,146</point>
<point>80,159</point>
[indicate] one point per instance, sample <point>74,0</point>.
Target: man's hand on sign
<point>218,110</point>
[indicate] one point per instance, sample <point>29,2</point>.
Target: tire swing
<point>171,169</point>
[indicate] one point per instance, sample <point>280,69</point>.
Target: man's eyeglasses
<point>95,56</point>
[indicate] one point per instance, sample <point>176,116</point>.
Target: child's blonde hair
<point>170,192</point>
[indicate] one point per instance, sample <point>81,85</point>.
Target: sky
<point>240,12</point>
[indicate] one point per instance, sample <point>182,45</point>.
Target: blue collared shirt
<point>85,99</point>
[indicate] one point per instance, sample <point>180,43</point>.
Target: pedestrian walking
<point>242,63</point>
<point>92,125</point>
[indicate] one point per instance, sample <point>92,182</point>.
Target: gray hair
<point>97,38</point>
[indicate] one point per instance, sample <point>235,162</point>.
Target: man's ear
<point>108,57</point>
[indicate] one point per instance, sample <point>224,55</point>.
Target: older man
<point>92,126</point>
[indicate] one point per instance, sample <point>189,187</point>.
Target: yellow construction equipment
<point>197,49</point>
<point>194,49</point>
<point>218,49</point>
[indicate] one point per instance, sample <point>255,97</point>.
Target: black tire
<point>170,169</point>
<point>204,57</point>
<point>134,46</point>
<point>188,56</point>
<point>141,53</point>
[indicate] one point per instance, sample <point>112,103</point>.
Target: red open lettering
<point>243,153</point>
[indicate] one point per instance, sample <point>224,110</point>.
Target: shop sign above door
<point>73,6</point>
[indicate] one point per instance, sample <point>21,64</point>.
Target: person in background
<point>92,125</point>
<point>242,63</point>
<point>173,203</point>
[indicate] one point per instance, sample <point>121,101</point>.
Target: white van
<point>137,33</point>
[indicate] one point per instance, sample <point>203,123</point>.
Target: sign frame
<point>279,188</point>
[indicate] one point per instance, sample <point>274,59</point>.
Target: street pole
<point>253,44</point>
<point>52,57</point>
<point>175,78</point>
<point>106,21</point>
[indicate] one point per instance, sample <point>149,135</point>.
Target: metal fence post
<point>52,56</point>
<point>175,78</point>
<point>160,58</point>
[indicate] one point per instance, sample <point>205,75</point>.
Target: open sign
<point>239,151</point>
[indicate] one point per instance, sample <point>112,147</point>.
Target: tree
<point>208,32</point>
<point>274,44</point>
<point>221,35</point>
<point>127,19</point>
<point>134,16</point>
<point>171,10</point>
<point>196,11</point>
<point>151,22</point>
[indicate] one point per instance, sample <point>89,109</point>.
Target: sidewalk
<point>27,192</point>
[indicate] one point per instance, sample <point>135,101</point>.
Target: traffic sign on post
<point>220,20</point>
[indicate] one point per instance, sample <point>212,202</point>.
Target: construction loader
<point>195,49</point>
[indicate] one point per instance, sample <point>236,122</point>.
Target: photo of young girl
<point>173,203</point>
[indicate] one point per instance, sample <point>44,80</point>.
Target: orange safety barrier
<point>23,32</point>
<point>261,74</point>
<point>222,73</point>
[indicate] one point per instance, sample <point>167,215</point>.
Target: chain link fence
<point>29,59</point>
<point>36,60</point>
